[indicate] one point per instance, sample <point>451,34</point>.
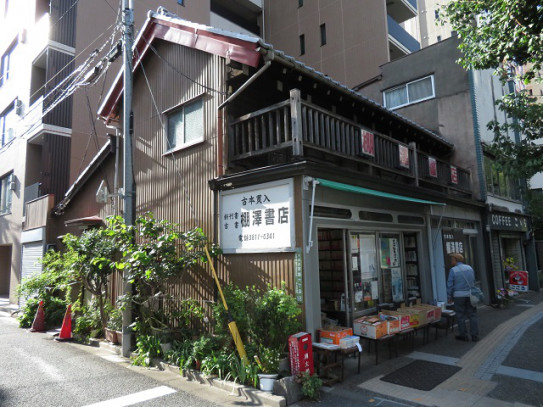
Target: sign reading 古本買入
<point>259,218</point>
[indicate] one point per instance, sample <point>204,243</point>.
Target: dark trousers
<point>464,310</point>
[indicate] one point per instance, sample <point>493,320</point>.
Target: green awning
<point>366,191</point>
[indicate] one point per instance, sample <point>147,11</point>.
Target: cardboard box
<point>437,311</point>
<point>405,319</point>
<point>370,327</point>
<point>349,342</point>
<point>334,334</point>
<point>415,316</point>
<point>393,323</point>
<point>427,313</point>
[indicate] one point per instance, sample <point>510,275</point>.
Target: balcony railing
<point>402,10</point>
<point>37,212</point>
<point>401,36</point>
<point>294,125</point>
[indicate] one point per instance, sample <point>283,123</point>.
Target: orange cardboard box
<point>415,316</point>
<point>333,335</point>
<point>370,327</point>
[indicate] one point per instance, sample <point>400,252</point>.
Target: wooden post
<point>296,122</point>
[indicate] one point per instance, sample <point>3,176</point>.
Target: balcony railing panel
<point>37,212</point>
<point>396,31</point>
<point>271,130</point>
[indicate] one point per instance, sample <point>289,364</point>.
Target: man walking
<point>461,278</point>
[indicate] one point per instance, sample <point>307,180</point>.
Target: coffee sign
<point>508,221</point>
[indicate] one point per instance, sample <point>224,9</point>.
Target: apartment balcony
<point>402,10</point>
<point>292,130</point>
<point>37,212</point>
<point>400,41</point>
<point>237,13</point>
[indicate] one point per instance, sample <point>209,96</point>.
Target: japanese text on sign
<point>256,219</point>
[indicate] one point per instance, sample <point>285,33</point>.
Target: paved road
<point>37,371</point>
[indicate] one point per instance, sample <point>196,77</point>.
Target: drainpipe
<point>482,189</point>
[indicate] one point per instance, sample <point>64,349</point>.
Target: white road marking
<point>135,398</point>
<point>41,364</point>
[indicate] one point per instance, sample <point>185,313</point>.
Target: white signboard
<point>258,218</point>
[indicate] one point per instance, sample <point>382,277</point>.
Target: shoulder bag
<point>476,296</point>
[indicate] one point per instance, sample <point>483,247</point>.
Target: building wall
<point>449,114</point>
<point>94,26</point>
<point>430,30</point>
<point>356,32</point>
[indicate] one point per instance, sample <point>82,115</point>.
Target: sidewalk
<point>505,368</point>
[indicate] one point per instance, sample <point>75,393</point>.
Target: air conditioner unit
<point>12,183</point>
<point>18,106</point>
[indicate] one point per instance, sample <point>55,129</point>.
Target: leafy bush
<point>87,323</point>
<point>311,385</point>
<point>148,347</point>
<point>54,310</point>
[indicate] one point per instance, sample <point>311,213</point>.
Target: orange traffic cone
<point>39,320</point>
<point>66,330</point>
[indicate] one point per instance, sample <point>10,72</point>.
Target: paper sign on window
<point>368,143</point>
<point>454,175</point>
<point>404,156</point>
<point>432,167</point>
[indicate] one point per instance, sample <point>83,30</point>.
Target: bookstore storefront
<point>370,250</point>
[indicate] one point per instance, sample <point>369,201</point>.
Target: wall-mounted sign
<point>298,277</point>
<point>432,167</point>
<point>258,218</point>
<point>454,175</point>
<point>368,143</point>
<point>403,152</point>
<point>453,242</point>
<point>507,221</point>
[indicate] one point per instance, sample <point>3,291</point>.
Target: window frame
<point>6,194</point>
<point>323,34</point>
<point>4,140</point>
<point>176,109</point>
<point>6,56</point>
<point>406,87</point>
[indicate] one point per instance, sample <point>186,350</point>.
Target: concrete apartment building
<point>345,39</point>
<point>431,89</point>
<point>47,51</point>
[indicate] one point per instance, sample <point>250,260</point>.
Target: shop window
<point>409,93</point>
<point>375,216</point>
<point>185,125</point>
<point>6,190</point>
<point>412,220</point>
<point>327,212</point>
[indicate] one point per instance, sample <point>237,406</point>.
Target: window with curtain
<point>185,125</point>
<point>409,93</point>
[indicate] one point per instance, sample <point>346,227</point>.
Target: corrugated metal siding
<point>59,66</point>
<point>166,184</point>
<point>63,18</point>
<point>55,165</point>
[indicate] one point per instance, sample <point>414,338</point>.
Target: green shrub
<point>311,385</point>
<point>54,310</point>
<point>148,347</point>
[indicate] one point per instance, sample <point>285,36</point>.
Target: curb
<point>248,393</point>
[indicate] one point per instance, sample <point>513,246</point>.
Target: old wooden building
<point>298,178</point>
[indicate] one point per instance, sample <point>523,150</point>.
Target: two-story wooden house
<point>298,178</point>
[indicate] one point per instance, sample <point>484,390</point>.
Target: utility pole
<point>128,178</point>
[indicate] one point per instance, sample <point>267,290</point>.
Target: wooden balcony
<point>37,212</point>
<point>297,130</point>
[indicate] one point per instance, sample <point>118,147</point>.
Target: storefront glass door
<point>364,272</point>
<point>391,268</point>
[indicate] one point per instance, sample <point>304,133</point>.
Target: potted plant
<point>268,362</point>
<point>114,326</point>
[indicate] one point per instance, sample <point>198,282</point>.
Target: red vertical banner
<point>403,156</point>
<point>432,167</point>
<point>368,143</point>
<point>454,175</point>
